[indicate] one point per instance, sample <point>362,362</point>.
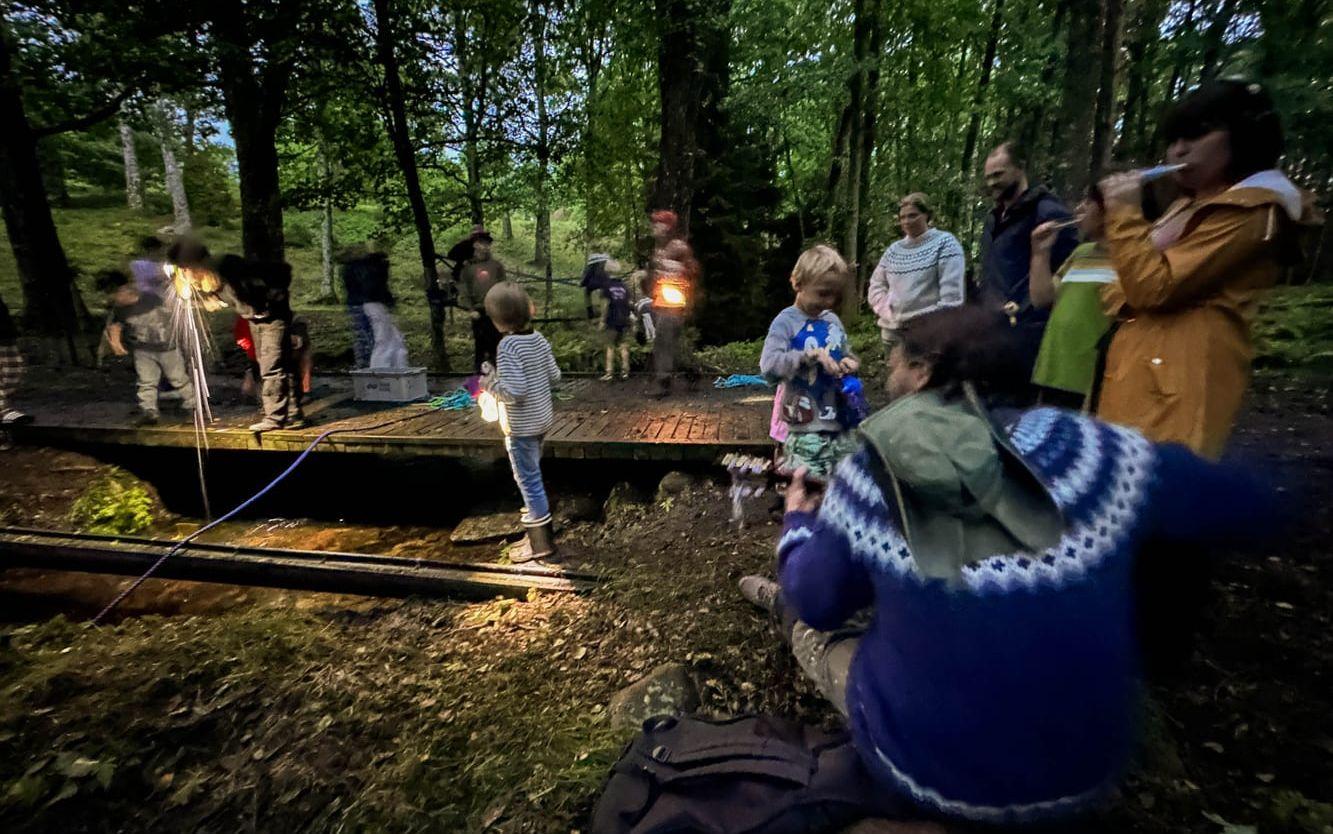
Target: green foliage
<point>1295,328</point>
<point>114,504</point>
<point>209,185</point>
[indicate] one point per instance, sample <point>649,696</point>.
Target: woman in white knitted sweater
<point>919,274</point>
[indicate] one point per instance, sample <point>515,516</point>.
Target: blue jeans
<point>525,455</point>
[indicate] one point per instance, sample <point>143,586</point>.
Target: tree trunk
<point>326,288</point>
<point>507,226</point>
<point>1103,123</point>
<point>987,65</point>
<point>868,125</point>
<point>165,128</point>
<point>402,142</point>
<point>254,92</point>
<point>541,255</point>
<point>680,88</point>
<point>44,273</point>
<point>133,182</point>
<point>474,107</point>
<point>1074,119</point>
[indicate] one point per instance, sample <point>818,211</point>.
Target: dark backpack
<point>749,775</point>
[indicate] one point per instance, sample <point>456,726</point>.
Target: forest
<point>765,123</point>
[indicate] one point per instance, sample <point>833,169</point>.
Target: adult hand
<point>800,497</point>
<point>1043,237</point>
<point>849,365</point>
<point>1123,190</point>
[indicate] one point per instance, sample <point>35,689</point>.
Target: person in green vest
<point>1067,361</point>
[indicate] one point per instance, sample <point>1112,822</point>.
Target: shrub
<point>114,504</point>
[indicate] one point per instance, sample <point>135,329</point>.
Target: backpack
<point>748,775</point>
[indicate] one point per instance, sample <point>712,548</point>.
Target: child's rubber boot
<point>539,543</point>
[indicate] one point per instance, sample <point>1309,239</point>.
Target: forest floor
<point>260,711</point>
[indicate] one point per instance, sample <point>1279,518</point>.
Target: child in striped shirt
<point>521,381</point>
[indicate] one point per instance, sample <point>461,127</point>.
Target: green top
<point>1068,356</point>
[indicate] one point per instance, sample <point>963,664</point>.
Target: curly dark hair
<point>963,344</point>
<point>1244,110</point>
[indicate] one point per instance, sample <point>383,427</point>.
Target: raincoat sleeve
<point>1223,241</point>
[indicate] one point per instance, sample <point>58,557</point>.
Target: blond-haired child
<point>525,369</point>
<point>807,351</point>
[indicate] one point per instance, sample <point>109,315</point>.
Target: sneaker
<point>147,418</point>
<point>607,377</point>
<point>760,591</point>
<point>265,425</point>
<point>624,375</point>
<point>296,423</point>
<point>6,441</point>
<point>14,417</point>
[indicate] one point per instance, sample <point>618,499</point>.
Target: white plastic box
<point>389,386</point>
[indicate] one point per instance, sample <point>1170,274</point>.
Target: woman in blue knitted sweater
<point>997,679</point>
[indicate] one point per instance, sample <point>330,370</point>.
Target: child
<point>521,382</point>
<point>807,351</point>
<point>643,308</point>
<point>615,322</point>
<point>1067,361</point>
<point>141,324</point>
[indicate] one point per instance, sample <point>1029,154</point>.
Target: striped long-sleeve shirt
<point>524,373</point>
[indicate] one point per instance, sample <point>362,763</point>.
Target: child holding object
<point>140,324</point>
<point>807,351</point>
<point>520,382</point>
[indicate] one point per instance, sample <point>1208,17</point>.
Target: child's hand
<point>828,363</point>
<point>474,314</point>
<point>849,365</point>
<point>487,369</point>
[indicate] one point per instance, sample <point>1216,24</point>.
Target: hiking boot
<point>760,591</point>
<point>146,418</point>
<point>14,417</point>
<point>265,425</point>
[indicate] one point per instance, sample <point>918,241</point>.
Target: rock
<point>480,529</point>
<point>622,495</point>
<point>666,690</point>
<point>580,508</point>
<point>673,483</point>
<point>883,826</point>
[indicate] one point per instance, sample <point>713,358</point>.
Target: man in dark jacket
<point>260,293</point>
<point>1006,247</point>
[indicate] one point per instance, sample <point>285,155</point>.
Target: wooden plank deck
<point>593,420</point>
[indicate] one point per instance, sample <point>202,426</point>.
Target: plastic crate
<point>402,385</point>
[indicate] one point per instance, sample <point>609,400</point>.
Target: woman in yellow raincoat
<point>1179,363</point>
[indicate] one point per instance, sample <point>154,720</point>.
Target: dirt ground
<point>273,712</point>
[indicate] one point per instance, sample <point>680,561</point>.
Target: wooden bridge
<point>594,419</point>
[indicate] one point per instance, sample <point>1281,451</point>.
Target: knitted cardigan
<point>1007,695</point>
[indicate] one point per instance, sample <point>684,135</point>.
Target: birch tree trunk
<point>175,178</point>
<point>133,181</point>
<point>541,255</point>
<point>326,290</point>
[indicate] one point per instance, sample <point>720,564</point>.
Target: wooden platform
<point>594,419</point>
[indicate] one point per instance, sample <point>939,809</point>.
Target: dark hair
<point>1244,110</point>
<point>151,244</point>
<point>961,344</point>
<point>1016,151</point>
<point>110,279</point>
<point>188,252</point>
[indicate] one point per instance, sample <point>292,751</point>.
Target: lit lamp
<point>490,409</point>
<point>670,292</point>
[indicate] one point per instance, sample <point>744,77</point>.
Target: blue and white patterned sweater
<point>1007,695</point>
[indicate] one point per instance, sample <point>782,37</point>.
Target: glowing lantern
<point>490,409</point>
<point>670,292</point>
